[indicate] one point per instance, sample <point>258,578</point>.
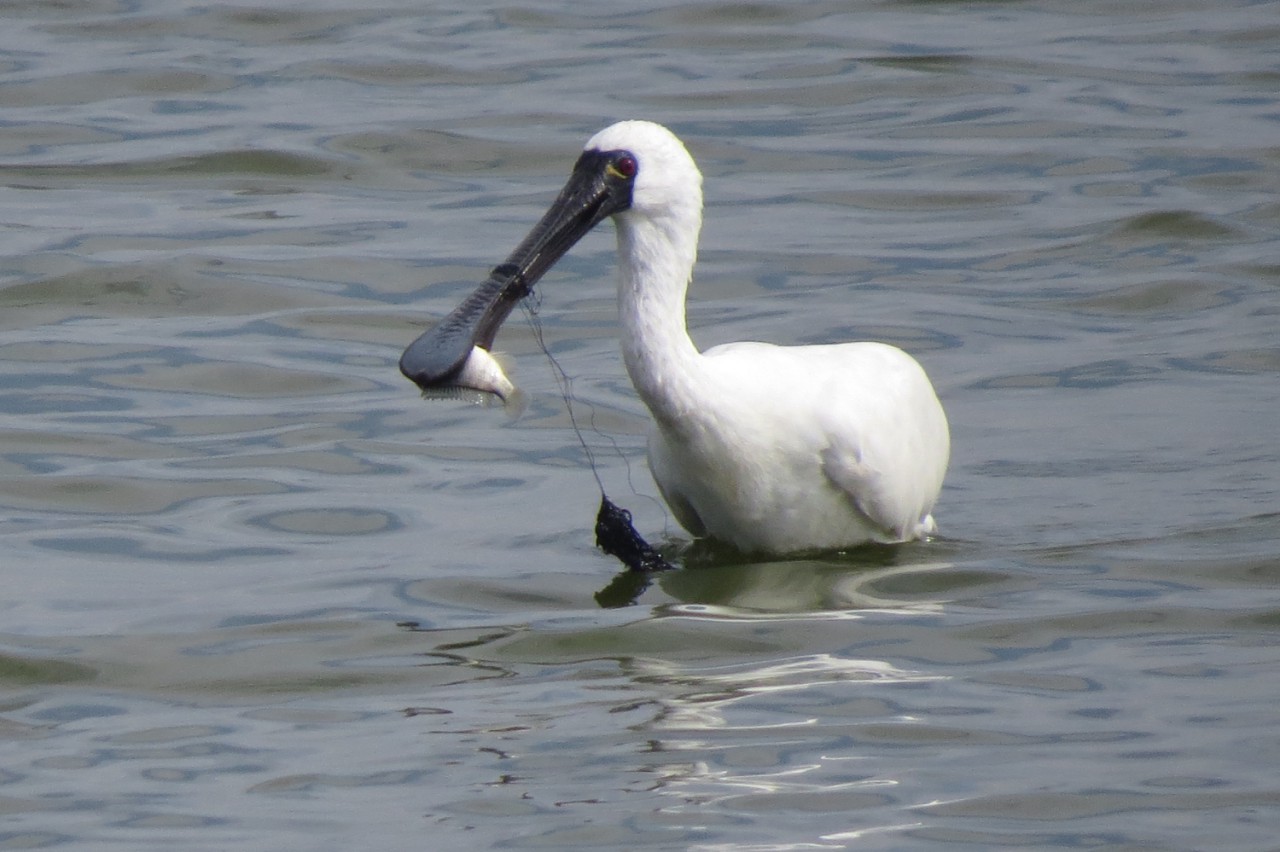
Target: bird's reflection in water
<point>777,728</point>
<point>868,577</point>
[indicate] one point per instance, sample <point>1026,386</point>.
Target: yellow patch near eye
<point>623,167</point>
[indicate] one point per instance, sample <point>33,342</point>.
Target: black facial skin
<point>599,186</point>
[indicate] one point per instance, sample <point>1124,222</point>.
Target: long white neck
<point>655,257</point>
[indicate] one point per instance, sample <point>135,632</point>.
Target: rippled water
<point>259,595</point>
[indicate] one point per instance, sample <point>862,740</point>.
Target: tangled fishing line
<point>616,535</point>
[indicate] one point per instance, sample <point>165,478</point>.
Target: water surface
<point>260,595</point>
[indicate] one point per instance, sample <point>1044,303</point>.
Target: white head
<point>667,180</point>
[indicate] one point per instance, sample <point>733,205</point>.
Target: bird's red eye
<point>626,166</point>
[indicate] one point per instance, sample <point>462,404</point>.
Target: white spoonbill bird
<point>772,449</point>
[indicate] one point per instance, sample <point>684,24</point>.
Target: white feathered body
<point>764,467</point>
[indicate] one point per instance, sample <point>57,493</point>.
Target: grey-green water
<point>258,595</point>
